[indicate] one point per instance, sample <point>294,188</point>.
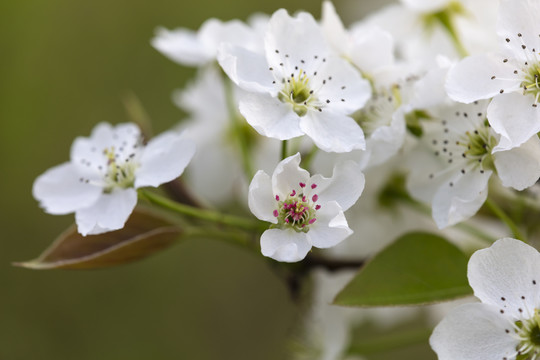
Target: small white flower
<point>306,211</point>
<point>298,86</point>
<point>455,158</point>
<point>192,48</point>
<point>371,51</point>
<point>506,325</point>
<point>510,77</point>
<point>218,131</point>
<point>98,183</point>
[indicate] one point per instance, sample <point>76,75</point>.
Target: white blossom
<point>99,182</point>
<point>456,156</point>
<point>510,76</point>
<point>506,324</point>
<point>305,211</point>
<point>371,51</point>
<point>197,48</point>
<point>298,86</point>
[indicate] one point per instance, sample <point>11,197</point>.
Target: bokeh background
<point>64,66</point>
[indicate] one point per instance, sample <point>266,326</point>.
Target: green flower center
<point>119,174</point>
<point>479,144</point>
<point>528,331</point>
<point>530,83</point>
<point>297,92</point>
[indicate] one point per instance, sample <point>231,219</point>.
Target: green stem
<point>308,158</point>
<point>204,214</point>
<point>497,211</point>
<point>283,149</point>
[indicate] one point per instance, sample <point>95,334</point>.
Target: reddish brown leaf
<point>143,235</point>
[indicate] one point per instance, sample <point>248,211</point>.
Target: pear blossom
<point>506,324</point>
<point>197,48</point>
<point>304,211</point>
<point>218,131</point>
<point>423,29</point>
<point>99,182</point>
<point>298,86</point>
<point>371,50</point>
<point>456,156</point>
<point>510,77</point>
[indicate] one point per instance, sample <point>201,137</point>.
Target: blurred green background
<point>64,66</point>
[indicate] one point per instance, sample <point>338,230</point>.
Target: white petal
<point>473,332</point>
<point>456,203</point>
<point>345,186</point>
<point>333,132</point>
<point>428,173</point>
<point>207,88</point>
<point>386,141</point>
<point>471,78</point>
<point>506,275</point>
<point>215,32</point>
<point>288,175</point>
<point>514,118</point>
<point>182,46</point>
<point>110,212</point>
<point>60,190</point>
<point>330,228</point>
<point>269,116</point>
<point>245,68</point>
<point>285,245</point>
<point>372,49</point>
<point>519,17</point>
<point>261,200</point>
<point>295,39</point>
<point>340,87</point>
<point>333,28</point>
<point>164,159</point>
<point>87,152</point>
<point>519,167</point>
<point>429,91</point>
<point>426,6</point>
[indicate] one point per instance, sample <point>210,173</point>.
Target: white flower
<point>455,158</point>
<point>306,211</point>
<point>219,132</point>
<point>423,29</point>
<point>510,77</point>
<point>192,48</point>
<point>298,86</point>
<point>506,325</point>
<point>371,51</point>
<point>98,183</point>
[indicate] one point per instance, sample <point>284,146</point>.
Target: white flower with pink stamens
<point>305,211</point>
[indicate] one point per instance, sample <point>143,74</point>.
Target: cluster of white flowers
<point>395,94</point>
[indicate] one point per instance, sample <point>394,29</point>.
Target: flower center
<point>297,211</point>
<point>530,81</point>
<point>479,144</point>
<point>120,174</point>
<point>378,111</point>
<point>297,92</point>
<point>528,331</point>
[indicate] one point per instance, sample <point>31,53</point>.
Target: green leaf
<point>144,234</point>
<point>418,268</point>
